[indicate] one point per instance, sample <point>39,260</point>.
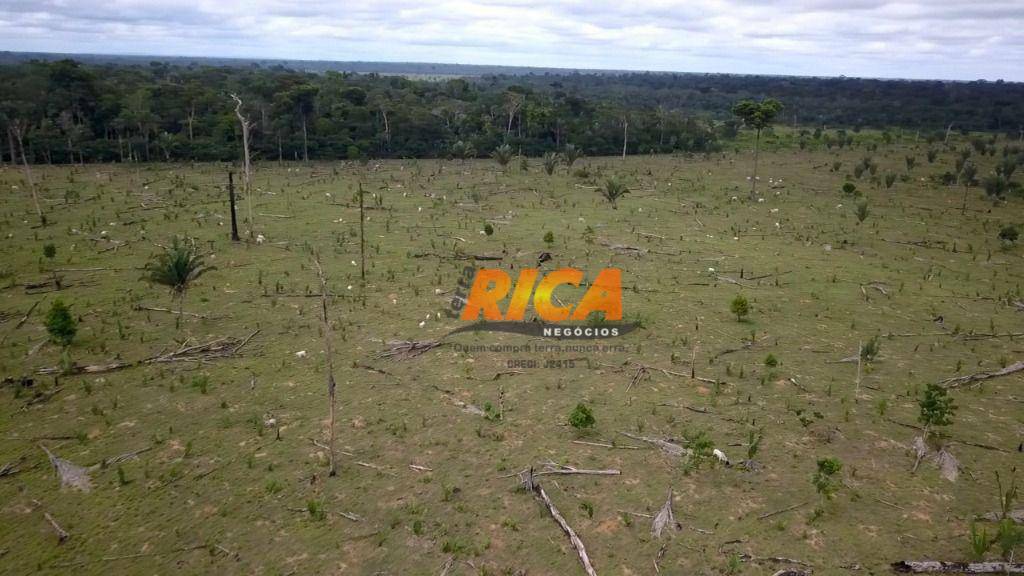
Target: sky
<point>944,39</point>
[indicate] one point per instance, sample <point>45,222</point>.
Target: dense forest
<point>63,111</point>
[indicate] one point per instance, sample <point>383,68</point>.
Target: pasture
<point>224,466</point>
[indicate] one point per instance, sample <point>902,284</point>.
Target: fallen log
<point>670,448</point>
<point>577,544</point>
<point>70,474</point>
<point>179,312</point>
<point>218,348</point>
<point>979,376</point>
<point>937,567</point>
<point>407,349</point>
<point>664,518</point>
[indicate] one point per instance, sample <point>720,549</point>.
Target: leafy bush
<point>937,407</point>
<point>1009,234</point>
<point>862,212</point>
<point>771,361</point>
<point>740,307</point>
<point>824,479</point>
<point>488,229</point>
<point>870,349</point>
<point>60,324</point>
<point>549,238</point>
<point>581,417</point>
<point>849,188</point>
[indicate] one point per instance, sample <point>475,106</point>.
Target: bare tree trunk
<point>963,206</point>
<point>753,179</point>
<point>625,136</point>
<point>387,127</point>
<point>191,121</point>
<point>231,200</point>
<point>329,352</point>
<point>363,242</point>
<point>10,144</point>
<point>948,130</point>
<point>860,356</point>
<point>28,174</point>
<point>305,141</point>
<point>247,174</point>
<point>280,153</point>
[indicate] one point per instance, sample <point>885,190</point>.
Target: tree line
<point>66,111</point>
<point>63,111</point>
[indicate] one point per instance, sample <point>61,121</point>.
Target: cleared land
<point>422,479</point>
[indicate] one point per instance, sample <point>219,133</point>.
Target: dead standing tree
<point>231,201</point>
<point>247,166</point>
<point>18,128</point>
<point>329,352</point>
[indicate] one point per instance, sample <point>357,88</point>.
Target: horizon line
<point>555,69</point>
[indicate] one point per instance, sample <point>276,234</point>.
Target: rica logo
<point>491,286</point>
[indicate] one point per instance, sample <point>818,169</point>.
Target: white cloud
<point>964,39</point>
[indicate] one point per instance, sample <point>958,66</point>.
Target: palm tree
<point>502,155</point>
<point>550,162</point>
<point>571,154</point>
<point>612,191</point>
<point>177,267</point>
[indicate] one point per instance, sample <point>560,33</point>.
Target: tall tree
<point>758,116</point>
<point>246,125</point>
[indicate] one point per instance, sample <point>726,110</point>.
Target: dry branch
<point>577,544</point>
<point>329,352</point>
<point>70,474</point>
<point>777,512</point>
<point>664,518</point>
<point>554,468</point>
<point>669,448</point>
<point>979,376</point>
<point>605,445</point>
<point>407,349</point>
<point>62,534</point>
<point>212,350</point>
<point>936,567</point>
<point>169,311</point>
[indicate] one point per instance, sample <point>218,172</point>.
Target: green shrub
<point>862,211</point>
<point>869,351</point>
<point>937,407</point>
<point>581,417</point>
<point>740,307</point>
<point>488,229</point>
<point>1009,234</point>
<point>60,324</point>
<point>824,479</point>
<point>316,510</point>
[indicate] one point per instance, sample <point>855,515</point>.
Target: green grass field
<point>217,489</point>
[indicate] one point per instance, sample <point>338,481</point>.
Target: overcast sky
<point>954,39</point>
